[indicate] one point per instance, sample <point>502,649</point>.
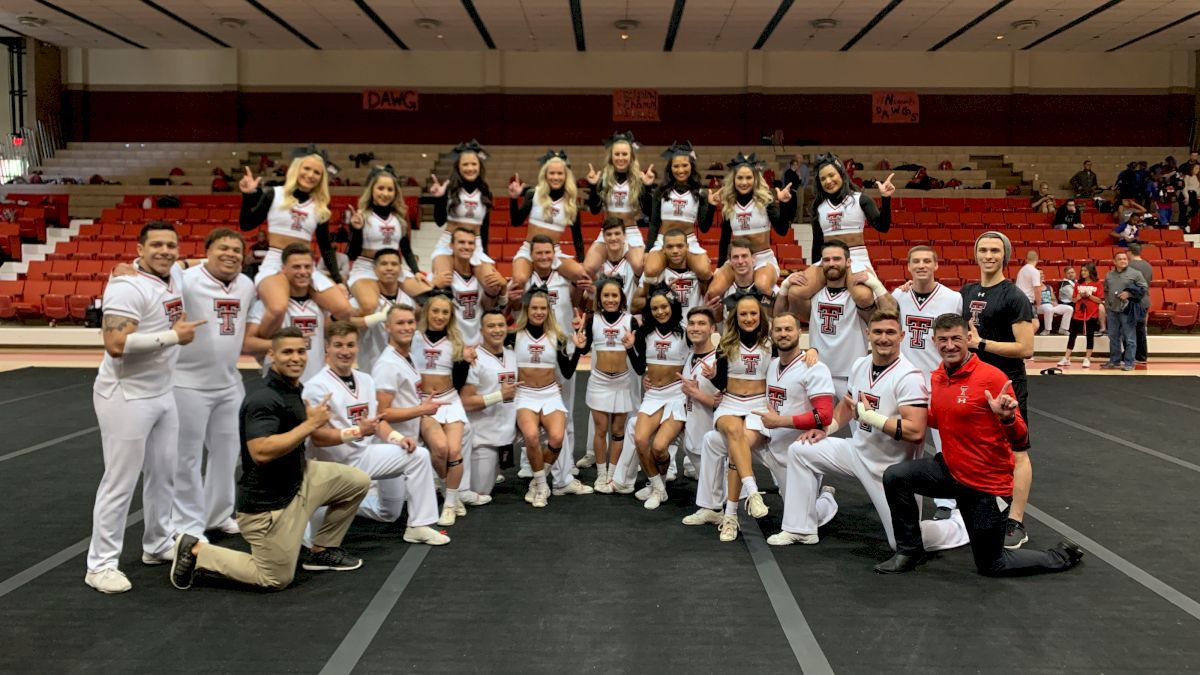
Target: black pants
<point>1092,325</point>
<point>1140,350</point>
<point>984,520</point>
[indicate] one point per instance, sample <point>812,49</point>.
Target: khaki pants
<point>275,536</point>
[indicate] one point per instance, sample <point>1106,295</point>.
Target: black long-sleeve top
<point>704,213</point>
<point>356,241</point>
<point>255,207</point>
<point>519,213</point>
<point>610,317</point>
<point>566,363</point>
<point>880,219</point>
<point>778,223</point>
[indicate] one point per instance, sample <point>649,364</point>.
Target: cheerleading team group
<point>397,385</point>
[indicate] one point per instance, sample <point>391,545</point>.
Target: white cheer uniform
<point>299,221</point>
<point>139,423</point>
<point>436,357</point>
<point>396,374</point>
<point>308,316</point>
<point>837,331</point>
<point>917,317</point>
<point>469,210</point>
<point>377,233</point>
<point>605,392</point>
<point>847,217</point>
<point>679,207</point>
<point>685,286</point>
<point>382,461</point>
<point>865,456</point>
<point>555,218</point>
<point>208,394</point>
<point>618,203</point>
<point>468,295</point>
<point>493,427</point>
<point>374,339</point>
<point>559,289</point>
<point>542,353</point>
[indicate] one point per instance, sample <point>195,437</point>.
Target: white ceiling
<point>545,25</point>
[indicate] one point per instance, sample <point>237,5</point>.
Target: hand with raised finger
<point>249,184</point>
<point>319,414</point>
<point>356,220</point>
<point>435,188</point>
<point>708,370</point>
<point>593,176</point>
<point>580,339</point>
<point>770,420</point>
<point>627,340</point>
<point>186,330</point>
<point>886,189</point>
<point>1003,405</point>
<point>714,197</point>
<point>515,187</point>
<point>973,338</point>
<point>784,195</point>
<point>648,176</point>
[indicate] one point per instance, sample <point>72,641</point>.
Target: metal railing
<point>36,145</point>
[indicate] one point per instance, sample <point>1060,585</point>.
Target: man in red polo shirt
<point>980,432</point>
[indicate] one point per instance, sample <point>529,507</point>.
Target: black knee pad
<point>454,462</point>
<point>621,437</point>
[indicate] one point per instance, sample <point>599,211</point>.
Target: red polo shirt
<point>977,447</point>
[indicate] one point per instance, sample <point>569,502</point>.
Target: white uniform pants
<point>714,463</point>
<point>140,438</point>
<point>808,463</point>
<point>397,476</point>
<point>208,419</point>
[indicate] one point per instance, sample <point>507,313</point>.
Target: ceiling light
<point>822,24</point>
<point>231,22</point>
<point>427,23</point>
<point>999,37</point>
<point>624,36</point>
<point>1025,24</point>
<point>31,21</point>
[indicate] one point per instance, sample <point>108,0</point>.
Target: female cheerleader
<point>294,212</point>
<point>660,350</point>
<point>541,349</point>
<point>551,208</point>
<point>610,337</point>
<point>464,201</point>
<point>842,213</point>
<point>619,192</point>
<point>443,363</point>
<point>381,222</point>
<point>679,204</point>
<point>740,374</point>
<point>749,210</point>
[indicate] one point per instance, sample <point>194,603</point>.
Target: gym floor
<point>597,583</point>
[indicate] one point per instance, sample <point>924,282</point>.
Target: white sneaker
<point>460,509</point>
<point>108,580</point>
<point>644,494</point>
<point>689,471</point>
<point>656,498</point>
<point>448,516</point>
<point>586,461</point>
<point>728,529</point>
<point>1064,363</point>
<point>474,499</point>
<point>499,478</point>
<point>574,471</point>
<point>169,556</point>
<point>228,526</point>
<point>620,488</point>
<point>755,505</point>
<point>604,487</point>
<point>525,473</point>
<point>573,488</point>
<point>425,535</point>
<point>703,517</point>
<point>672,474</point>
<point>1087,363</point>
<point>789,538</point>
<point>530,492</point>
<point>1063,332</point>
<point>541,497</point>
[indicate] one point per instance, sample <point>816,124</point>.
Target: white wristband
<point>783,288</point>
<point>875,285</point>
<point>374,319</point>
<point>395,438</point>
<point>142,343</point>
<point>351,433</point>
<point>831,427</point>
<point>871,417</point>
<point>492,399</point>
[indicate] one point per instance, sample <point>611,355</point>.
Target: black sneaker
<point>1071,551</point>
<point>335,559</point>
<point>183,568</point>
<point>943,513</point>
<point>1014,536</point>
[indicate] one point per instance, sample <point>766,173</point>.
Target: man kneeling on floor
<point>980,432</point>
<point>279,488</point>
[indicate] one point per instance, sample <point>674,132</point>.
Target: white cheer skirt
<point>669,399</point>
<point>609,393</point>
<point>546,400</point>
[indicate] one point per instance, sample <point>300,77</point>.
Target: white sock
<point>602,473</point>
<point>539,477</point>
<point>656,482</point>
<point>731,508</point>
<point>749,486</point>
<point>451,497</point>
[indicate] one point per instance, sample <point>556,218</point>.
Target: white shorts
<point>609,393</point>
<point>693,241</point>
<point>273,264</point>
<point>633,238</point>
<point>762,259</point>
<point>544,401</point>
<point>364,268</point>
<point>859,261</point>
<point>453,411</point>
<point>442,248</point>
<point>742,406</point>
<point>523,253</point>
<point>668,399</point>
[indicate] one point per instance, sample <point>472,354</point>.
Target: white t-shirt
<point>308,317</point>
<point>917,317</point>
<point>900,384</point>
<point>790,389</point>
<point>1029,280</point>
<point>210,361</point>
<point>395,373</point>
<point>156,305</point>
<point>349,405</point>
<point>836,330</point>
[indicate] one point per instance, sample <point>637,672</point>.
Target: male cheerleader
<point>302,311</point>
<point>488,400</point>
<point>470,298</point>
<point>373,337</point>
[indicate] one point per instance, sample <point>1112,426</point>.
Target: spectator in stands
<point>1087,295</point>
<point>1126,233</point>
<point>1043,200</point>
<point>1143,266</point>
<point>1164,202</point>
<point>1127,186</point>
<point>1049,307</point>
<point>1068,216</point>
<point>1123,291</point>
<point>1029,281</point>
<point>1189,198</point>
<point>1085,183</point>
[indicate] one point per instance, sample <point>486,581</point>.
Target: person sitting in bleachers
<point>1085,183</point>
<point>1050,307</point>
<point>1068,216</point>
<point>1126,233</point>
<point>1042,200</point>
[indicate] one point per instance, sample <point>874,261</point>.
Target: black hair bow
<point>554,154</point>
<point>731,301</point>
<point>743,160</point>
<point>679,149</point>
<point>618,137</point>
<point>376,170</point>
<point>472,146</point>
<point>533,290</point>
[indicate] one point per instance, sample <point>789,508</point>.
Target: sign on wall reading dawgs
<point>895,107</point>
<point>635,105</point>
<point>404,100</point>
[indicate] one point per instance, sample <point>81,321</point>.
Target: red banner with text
<point>635,105</point>
<point>404,100</point>
<point>895,107</point>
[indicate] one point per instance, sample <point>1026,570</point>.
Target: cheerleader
<point>294,212</point>
<point>621,191</point>
<point>609,334</point>
<point>381,222</point>
<point>842,213</point>
<point>542,352</point>
<point>740,373</point>
<point>680,203</point>
<point>488,400</point>
<point>550,207</point>
<point>469,298</point>
<point>443,363</point>
<point>465,200</point>
<point>750,211</point>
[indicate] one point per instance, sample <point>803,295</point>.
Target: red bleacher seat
<point>38,270</point>
<point>10,294</point>
<point>1186,315</point>
<point>1176,277</point>
<point>91,289</point>
<point>30,304</point>
<point>54,307</point>
<point>78,306</point>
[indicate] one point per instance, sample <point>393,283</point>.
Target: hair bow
<point>743,160</point>
<point>554,154</point>
<point>619,137</point>
<point>679,149</point>
<point>532,291</point>
<point>376,170</point>
<point>731,301</point>
<point>312,149</point>
<point>472,146</point>
<point>827,158</point>
<point>605,279</point>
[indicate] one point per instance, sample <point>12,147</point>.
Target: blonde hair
<point>571,196</point>
<point>319,195</point>
<point>550,327</point>
<point>366,201</point>
<point>732,336</point>
<point>762,191</point>
<point>452,332</point>
<point>633,176</point>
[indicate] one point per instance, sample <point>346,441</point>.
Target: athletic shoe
<point>1087,363</point>
<point>1014,535</point>
<point>499,478</point>
<point>1064,363</point>
<point>672,474</point>
<point>728,529</point>
<point>169,556</point>
<point>525,473</point>
<point>1044,332</point>
<point>586,461</point>
<point>425,535</point>
<point>603,485</point>
<point>1071,551</point>
<point>943,513</point>
<point>644,494</point>
<point>448,516</point>
<point>755,505</point>
<point>1063,332</point>
<point>785,538</point>
<point>657,497</point>
<point>689,469</point>
<point>228,526</point>
<point>108,580</point>
<point>620,488</point>
<point>574,471</point>
<point>460,509</point>
<point>1127,367</point>
<point>530,492</point>
<point>333,559</point>
<point>474,499</point>
<point>703,517</point>
<point>1109,366</point>
<point>541,497</point>
<point>572,488</point>
<point>183,563</point>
